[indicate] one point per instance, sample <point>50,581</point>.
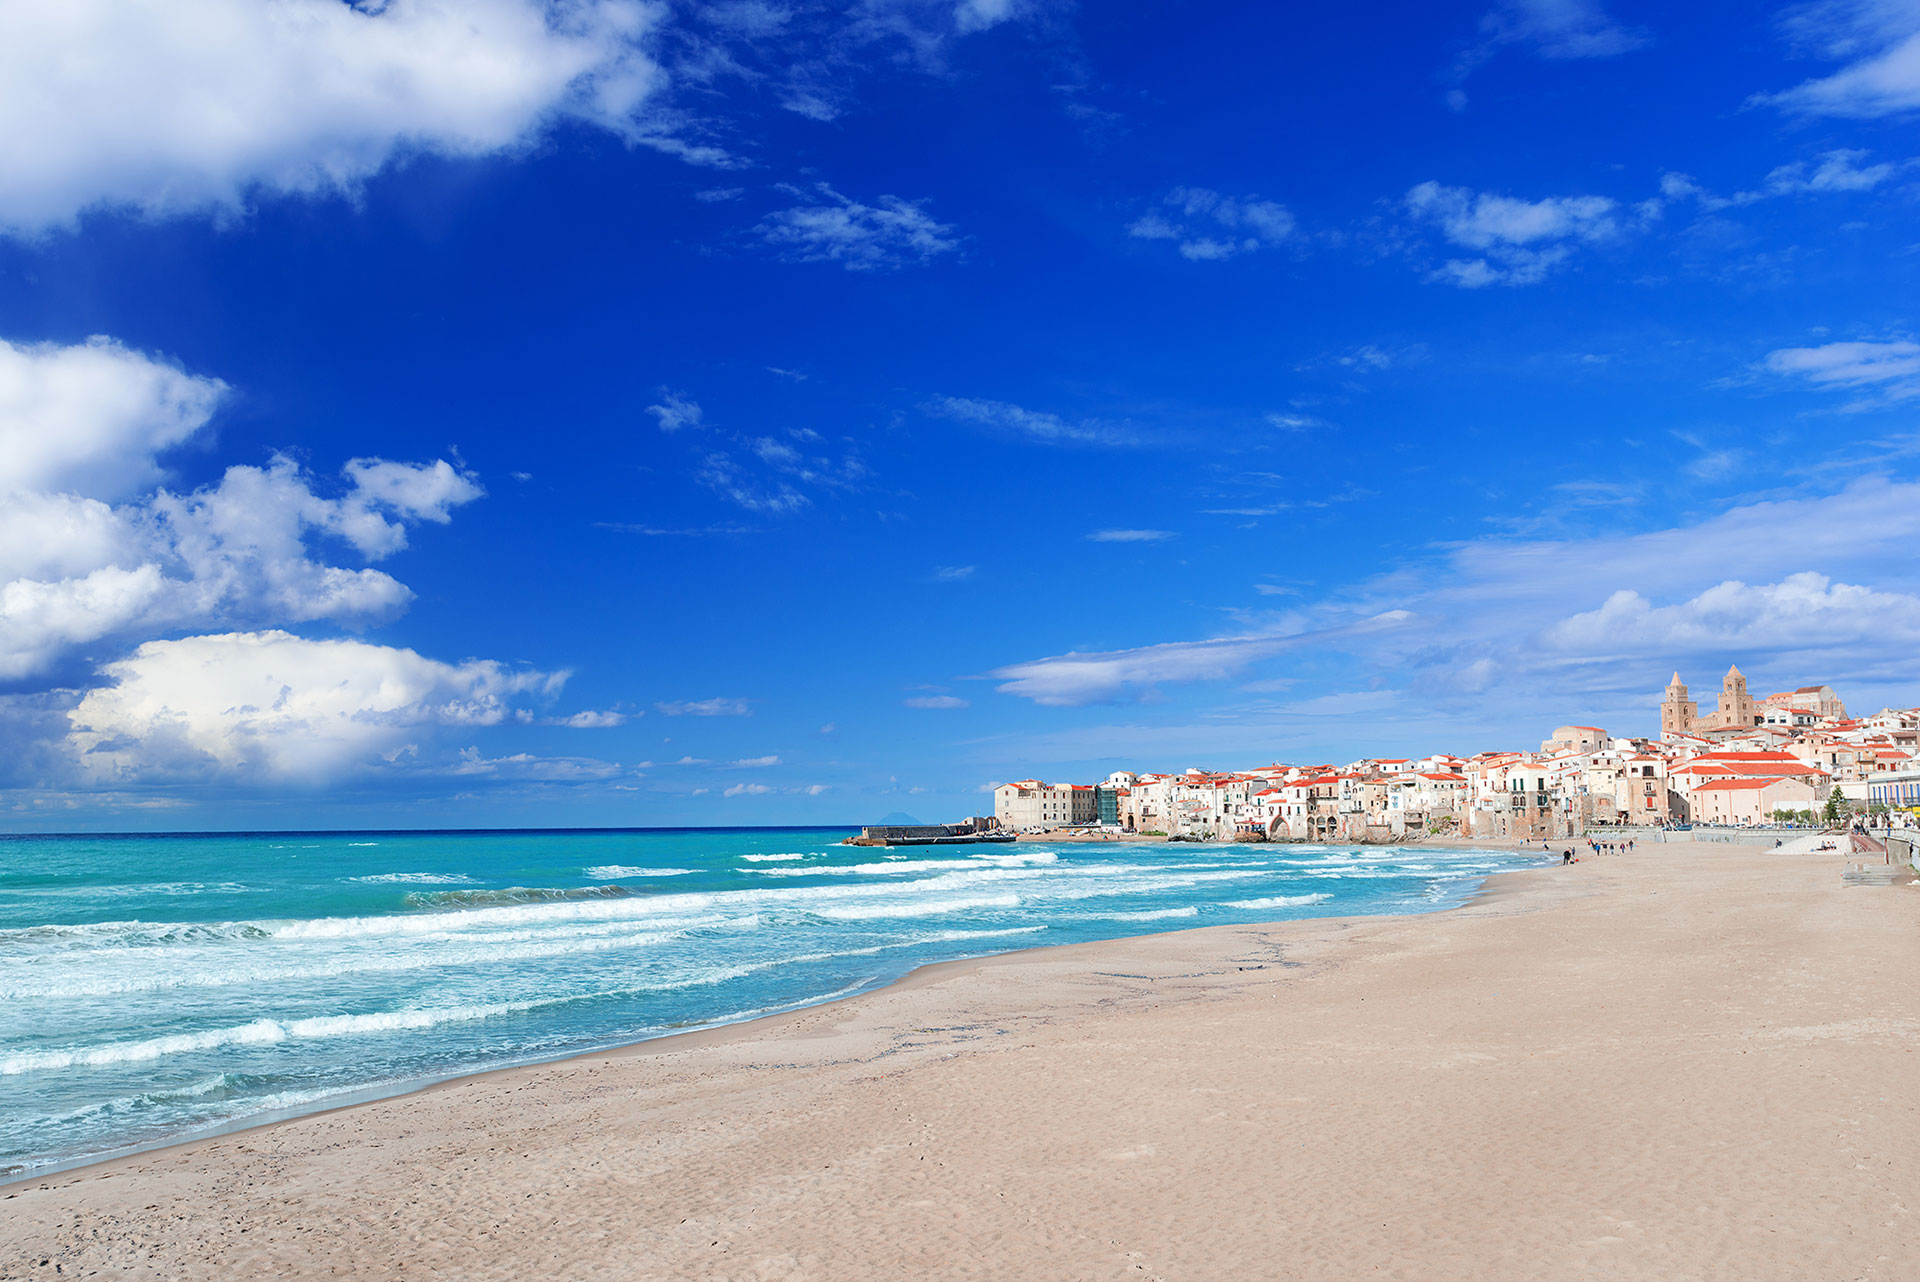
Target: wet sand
<point>1696,1061</point>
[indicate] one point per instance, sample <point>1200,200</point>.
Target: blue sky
<point>448,414</point>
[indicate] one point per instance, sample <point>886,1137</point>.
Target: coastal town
<point>1792,757</point>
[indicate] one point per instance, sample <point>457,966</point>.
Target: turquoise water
<point>154,987</point>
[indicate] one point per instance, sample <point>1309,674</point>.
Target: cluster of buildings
<point>1747,762</point>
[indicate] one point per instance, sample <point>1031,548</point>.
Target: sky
<point>473,413</point>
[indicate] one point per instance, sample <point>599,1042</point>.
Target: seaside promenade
<point>1693,1061</point>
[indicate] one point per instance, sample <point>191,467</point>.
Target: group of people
<point>1597,847</point>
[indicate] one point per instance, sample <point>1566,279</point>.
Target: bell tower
<point>1736,705</point>
<point>1677,712</point>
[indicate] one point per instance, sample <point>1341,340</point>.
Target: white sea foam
<point>417,878</point>
<point>615,872</point>
<point>773,859</point>
<point>884,868</point>
<point>1151,914</point>
<point>1024,859</point>
<point>1279,901</point>
<point>916,908</point>
<point>215,970</point>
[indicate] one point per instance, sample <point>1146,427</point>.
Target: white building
<point>1031,805</point>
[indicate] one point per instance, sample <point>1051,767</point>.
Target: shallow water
<point>153,987</point>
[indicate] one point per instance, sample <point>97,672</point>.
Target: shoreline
<point>362,1097</point>
<point>1684,1063</point>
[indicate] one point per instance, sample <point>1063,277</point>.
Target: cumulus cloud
<point>1879,43</point>
<point>747,790</point>
<point>1805,610</point>
<point>751,763</point>
<point>1207,226</point>
<point>1825,581</point>
<point>936,702</point>
<point>92,418</point>
<point>277,707</point>
<point>717,707</point>
<point>826,227</point>
<point>80,562</point>
<point>1520,240</point>
<point>198,104</point>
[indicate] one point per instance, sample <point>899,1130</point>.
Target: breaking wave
<point>1280,901</point>
<point>513,895</point>
<point>416,878</point>
<point>608,872</point>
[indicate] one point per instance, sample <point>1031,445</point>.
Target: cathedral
<point>1681,715</point>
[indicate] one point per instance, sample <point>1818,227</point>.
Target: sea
<point>156,988</point>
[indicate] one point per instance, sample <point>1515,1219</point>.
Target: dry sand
<point>1691,1062</point>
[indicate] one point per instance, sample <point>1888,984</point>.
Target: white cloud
<point>80,562</point>
<point>1209,226</point>
<point>1802,611</point>
<point>1559,29</point>
<point>978,15</point>
<point>721,473</point>
<point>91,419</point>
<point>1036,425</point>
<point>1839,170</point>
<point>272,706</point>
<point>676,411</point>
<point>1521,240</point>
<point>593,720</point>
<point>526,766</point>
<point>954,573</point>
<point>1075,679</point>
<point>747,790</point>
<point>1295,422</point>
<point>1130,536</point>
<point>936,702</point>
<point>1878,40</point>
<point>829,227</point>
<point>198,104</point>
<point>75,570</point>
<point>1829,584</point>
<point>707,708</point>
<point>1893,366</point>
<point>749,763</point>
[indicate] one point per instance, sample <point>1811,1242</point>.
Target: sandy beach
<point>1695,1061</point>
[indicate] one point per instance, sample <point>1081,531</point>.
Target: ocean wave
<point>416,879</point>
<point>1279,901</point>
<point>608,872</point>
<point>1150,914</point>
<point>213,971</point>
<point>513,895</point>
<point>270,1032</point>
<point>773,859</point>
<point>893,867</point>
<point>1030,858</point>
<point>915,908</point>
